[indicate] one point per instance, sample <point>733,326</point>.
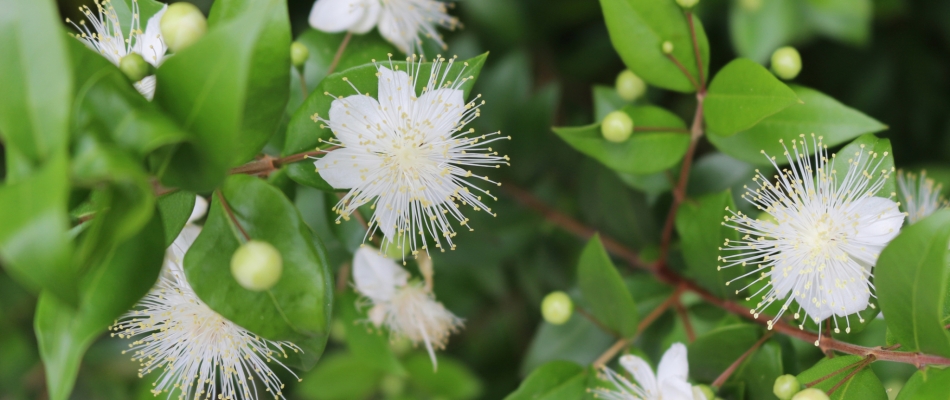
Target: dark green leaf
<point>715,351</point>
<point>927,384</point>
<point>175,208</point>
<point>577,340</point>
<point>848,21</point>
<point>604,290</point>
<point>742,94</point>
<point>702,233</point>
<point>553,381</point>
<point>863,385</point>
<point>340,376</point>
<point>453,380</point>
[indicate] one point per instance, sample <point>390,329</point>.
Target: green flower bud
<point>687,3</point>
<point>134,67</point>
<point>557,308</point>
<point>298,54</point>
<point>256,265</point>
<point>706,390</point>
<point>786,62</point>
<point>617,127</point>
<point>667,47</point>
<point>629,86</point>
<point>182,25</point>
<point>810,394</point>
<point>786,386</point>
<point>392,386</point>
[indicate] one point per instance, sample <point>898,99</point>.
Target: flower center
<point>821,236</point>
<point>408,156</point>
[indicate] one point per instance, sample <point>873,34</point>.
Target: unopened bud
<point>257,265</point>
<point>629,86</point>
<point>617,127</point>
<point>182,25</point>
<point>134,67</point>
<point>786,62</point>
<point>687,3</point>
<point>557,307</point>
<point>298,54</point>
<point>705,390</point>
<point>810,394</point>
<point>786,386</point>
<point>667,47</point>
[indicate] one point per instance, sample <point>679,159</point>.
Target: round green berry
<point>810,394</point>
<point>786,386</point>
<point>298,54</point>
<point>182,25</point>
<point>134,67</point>
<point>687,3</point>
<point>617,127</point>
<point>667,47</point>
<point>786,62</point>
<point>557,307</point>
<point>257,265</point>
<point>629,86</point>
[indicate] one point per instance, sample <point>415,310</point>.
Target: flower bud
<point>705,390</point>
<point>617,127</point>
<point>182,25</point>
<point>392,386</point>
<point>257,265</point>
<point>786,62</point>
<point>786,386</point>
<point>750,5</point>
<point>298,54</point>
<point>134,67</point>
<point>667,47</point>
<point>810,394</point>
<point>557,307</point>
<point>629,86</point>
<point>687,3</point>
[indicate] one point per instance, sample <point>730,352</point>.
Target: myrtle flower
<point>407,154</point>
<point>824,234</point>
<point>669,383</point>
<point>920,198</point>
<point>401,22</point>
<point>407,308</point>
<point>199,352</point>
<point>109,38</point>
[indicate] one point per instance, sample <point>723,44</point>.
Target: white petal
<point>336,15</point>
<point>441,110</point>
<point>201,207</point>
<point>395,94</point>
<point>377,314</point>
<point>370,17</point>
<point>386,217</point>
<point>175,255</point>
<point>698,394</point>
<point>642,373</point>
<point>355,119</point>
<point>150,44</point>
<point>348,167</point>
<point>879,221</point>
<point>676,389</point>
<point>146,87</point>
<point>403,35</point>
<point>674,364</point>
<point>377,276</point>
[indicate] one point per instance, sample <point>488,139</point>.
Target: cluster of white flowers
<point>669,383</point>
<point>401,22</point>
<point>919,197</point>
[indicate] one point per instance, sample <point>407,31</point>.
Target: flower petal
<point>642,373</point>
<point>175,255</point>
<point>377,276</point>
<point>355,120</point>
<point>674,364</point>
<point>150,44</point>
<point>395,96</point>
<point>396,30</point>
<point>676,389</point>
<point>878,221</point>
<point>336,15</point>
<point>347,168</point>
<point>370,17</point>
<point>438,112</point>
<point>201,207</point>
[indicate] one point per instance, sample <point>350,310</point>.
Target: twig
<point>227,209</point>
<point>685,72</point>
<point>339,52</point>
<point>303,83</point>
<point>735,364</point>
<point>684,316</point>
<point>643,325</point>
<point>699,60</point>
<point>867,361</point>
<point>343,277</point>
<point>596,321</point>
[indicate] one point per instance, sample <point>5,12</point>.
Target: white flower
<point>827,233</point>
<point>919,199</point>
<point>407,308</point>
<point>198,351</point>
<point>406,154</point>
<point>401,22</point>
<point>108,38</point>
<point>668,384</point>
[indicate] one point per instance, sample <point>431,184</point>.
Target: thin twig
<point>227,209</point>
<point>303,83</point>
<point>339,52</point>
<point>685,72</point>
<point>684,316</point>
<point>699,60</point>
<point>642,326</point>
<point>867,361</point>
<point>343,278</point>
<point>596,321</point>
<point>735,364</point>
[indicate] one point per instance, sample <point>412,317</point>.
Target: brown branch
<point>735,364</point>
<point>267,164</point>
<point>343,278</point>
<point>227,209</point>
<point>303,83</point>
<point>596,321</point>
<point>339,52</point>
<point>684,316</point>
<point>699,60</point>
<point>642,326</point>
<point>867,361</point>
<point>679,65</point>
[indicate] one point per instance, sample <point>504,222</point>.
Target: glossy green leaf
<point>298,307</point>
<point>911,273</point>
<point>758,28</point>
<point>175,208</point>
<point>645,152</point>
<point>604,290</point>
<point>702,233</point>
<point>820,114</point>
<point>638,29</point>
<point>364,341</point>
<point>863,385</point>
<point>927,384</point>
<point>606,100</point>
<point>453,380</point>
<point>715,351</point>
<point>552,381</point>
<point>577,340</point>
<point>341,376</point>
<point>869,143</point>
<point>742,94</point>
<point>36,81</point>
<point>755,377</point>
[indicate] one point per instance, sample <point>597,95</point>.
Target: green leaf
<point>911,273</point>
<point>552,381</point>
<point>863,385</point>
<point>848,21</point>
<point>577,340</point>
<point>229,89</point>
<point>340,376</point>
<point>175,208</point>
<point>453,379</point>
<point>755,377</point>
<point>742,94</point>
<point>370,345</point>
<point>604,290</point>
<point>645,152</point>
<point>715,351</point>
<point>638,29</point>
<point>37,84</point>
<point>927,384</point>
<point>820,114</point>
<point>298,307</point>
<point>757,31</point>
<point>869,143</point>
<point>606,100</point>
<point>702,233</point>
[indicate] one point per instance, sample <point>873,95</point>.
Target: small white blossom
<point>407,154</point>
<point>109,38</point>
<point>199,353</point>
<point>826,231</point>
<point>407,309</point>
<point>669,383</point>
<point>919,197</point>
<point>401,22</point>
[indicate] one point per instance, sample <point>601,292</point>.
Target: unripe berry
<point>705,390</point>
<point>617,127</point>
<point>687,3</point>
<point>750,5</point>
<point>810,394</point>
<point>667,47</point>
<point>134,67</point>
<point>182,25</point>
<point>786,386</point>
<point>786,62</point>
<point>298,54</point>
<point>257,265</point>
<point>557,307</point>
<point>629,86</point>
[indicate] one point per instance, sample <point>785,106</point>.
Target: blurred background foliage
<point>887,58</point>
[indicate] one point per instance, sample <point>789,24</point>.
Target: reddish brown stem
<point>850,375</point>
<point>684,316</point>
<point>699,60</point>
<point>735,364</point>
<point>643,325</point>
<point>685,72</point>
<point>227,209</point>
<point>303,82</point>
<point>339,52</point>
<point>595,321</point>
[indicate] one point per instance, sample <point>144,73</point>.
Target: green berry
<point>557,308</point>
<point>687,3</point>
<point>706,391</point>
<point>338,331</point>
<point>750,5</point>
<point>786,62</point>
<point>134,67</point>
<point>392,386</point>
<point>617,126</point>
<point>786,386</point>
<point>629,86</point>
<point>182,25</point>
<point>667,47</point>
<point>256,265</point>
<point>298,54</point>
<point>810,394</point>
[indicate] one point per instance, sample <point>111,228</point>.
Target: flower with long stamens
<point>402,22</point>
<point>112,41</point>
<point>407,153</point>
<point>669,383</point>
<point>199,353</point>
<point>919,197</point>
<point>825,232</point>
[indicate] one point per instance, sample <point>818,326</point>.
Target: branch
<point>227,209</point>
<point>735,364</point>
<point>642,326</point>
